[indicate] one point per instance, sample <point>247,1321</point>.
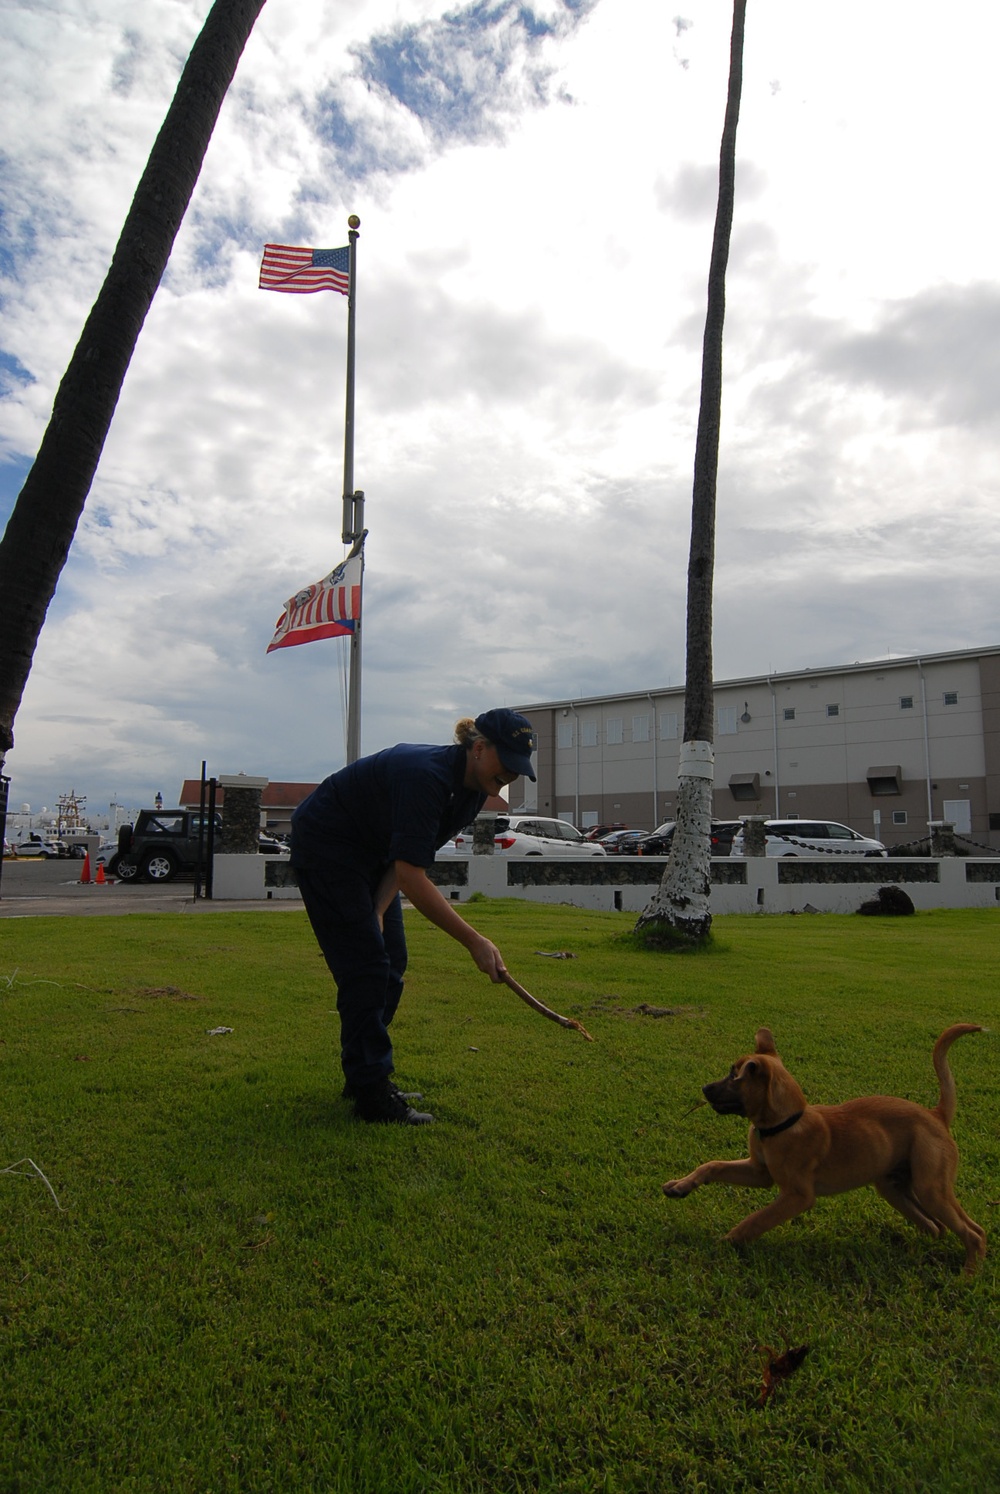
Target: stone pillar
<point>754,843</point>
<point>241,813</point>
<point>483,830</point>
<point>942,838</point>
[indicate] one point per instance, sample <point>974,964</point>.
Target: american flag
<point>328,609</point>
<point>300,271</point>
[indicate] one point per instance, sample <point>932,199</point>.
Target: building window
<point>906,702</point>
<point>995,821</point>
<point>727,721</point>
<point>640,728</point>
<point>899,816</point>
<point>588,733</point>
<point>614,731</point>
<point>951,697</point>
<point>564,734</point>
<point>789,713</point>
<point>670,726</point>
<point>833,710</point>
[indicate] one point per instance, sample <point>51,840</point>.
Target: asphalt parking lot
<point>52,889</point>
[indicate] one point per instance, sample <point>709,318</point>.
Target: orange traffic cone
<point>100,879</point>
<point>85,874</point>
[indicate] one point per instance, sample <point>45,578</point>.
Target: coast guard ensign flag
<point>328,609</point>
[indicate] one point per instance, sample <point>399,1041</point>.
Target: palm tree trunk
<point>41,528</point>
<point>679,910</point>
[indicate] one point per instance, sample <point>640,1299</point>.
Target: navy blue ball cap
<point>514,738</point>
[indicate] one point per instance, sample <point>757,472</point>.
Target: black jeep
<point>161,844</point>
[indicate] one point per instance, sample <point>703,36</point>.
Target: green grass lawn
<point>245,1289</point>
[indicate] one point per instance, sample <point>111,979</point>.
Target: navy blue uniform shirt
<point>397,805</point>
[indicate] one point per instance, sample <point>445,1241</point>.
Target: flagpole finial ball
<point>354,221</point>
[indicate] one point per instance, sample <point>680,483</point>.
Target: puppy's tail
<point>945,1107</point>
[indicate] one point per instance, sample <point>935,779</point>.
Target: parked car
<point>601,832</point>
<point>655,842</point>
<point>76,844</point>
<point>723,834</point>
<point>107,856</point>
<point>35,845</point>
<point>162,843</point>
<point>614,841</point>
<point>658,842</point>
<point>532,835</point>
<point>267,845</point>
<point>628,841</point>
<point>812,838</point>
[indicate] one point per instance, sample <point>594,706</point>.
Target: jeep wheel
<point>159,866</point>
<point>125,871</point>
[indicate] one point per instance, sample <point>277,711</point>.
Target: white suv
<point>532,835</point>
<point>811,838</point>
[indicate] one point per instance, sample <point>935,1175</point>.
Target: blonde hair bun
<point>465,732</point>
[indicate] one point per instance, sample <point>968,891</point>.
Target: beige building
<point>884,747</point>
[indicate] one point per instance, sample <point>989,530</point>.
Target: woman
<point>367,835</point>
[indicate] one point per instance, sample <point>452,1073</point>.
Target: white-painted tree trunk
<point>681,902</point>
<point>679,913</point>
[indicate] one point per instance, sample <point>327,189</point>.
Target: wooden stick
<point>546,1011</point>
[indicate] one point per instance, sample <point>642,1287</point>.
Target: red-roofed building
<point>277,801</point>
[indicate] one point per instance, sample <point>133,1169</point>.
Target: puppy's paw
<point>679,1188</point>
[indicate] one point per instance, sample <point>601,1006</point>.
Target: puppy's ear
<point>764,1042</point>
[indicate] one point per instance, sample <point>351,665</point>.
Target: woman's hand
<point>414,884</point>
<point>488,959</point>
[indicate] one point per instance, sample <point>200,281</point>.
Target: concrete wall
<point>248,876</point>
<point>238,877</point>
<point>760,884</point>
<point>756,885</point>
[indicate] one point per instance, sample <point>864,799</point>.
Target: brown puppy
<point>903,1149</point>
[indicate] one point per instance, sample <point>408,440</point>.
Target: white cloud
<point>537,194</point>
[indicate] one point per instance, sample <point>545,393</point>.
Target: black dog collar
<point>774,1130</point>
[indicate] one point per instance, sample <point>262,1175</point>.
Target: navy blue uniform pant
<point>367,963</point>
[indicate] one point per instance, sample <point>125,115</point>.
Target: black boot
<point>383,1102</point>
<point>351,1091</point>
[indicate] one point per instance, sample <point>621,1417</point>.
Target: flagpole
<point>353,525</point>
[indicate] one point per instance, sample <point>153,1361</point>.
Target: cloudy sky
<point>536,185</point>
